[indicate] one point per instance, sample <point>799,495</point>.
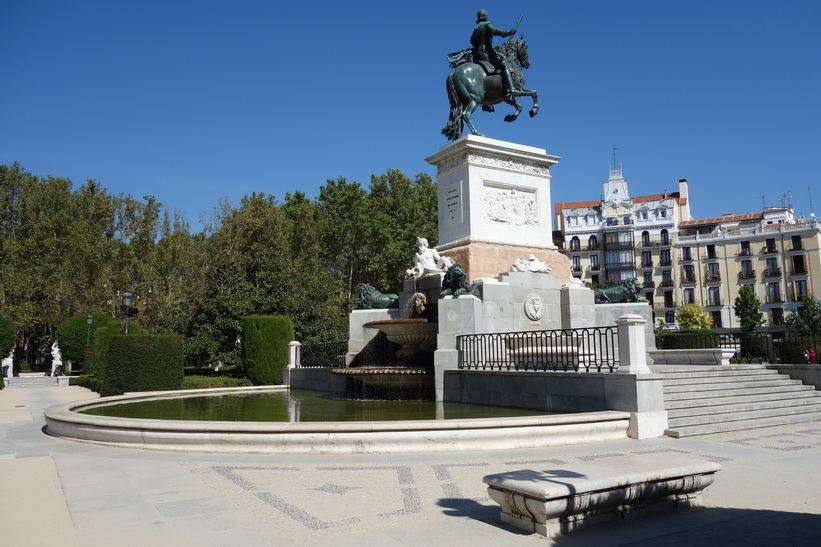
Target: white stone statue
<point>532,264</point>
<point>56,359</point>
<point>427,261</point>
<point>7,365</point>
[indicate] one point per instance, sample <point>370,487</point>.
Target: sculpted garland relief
<point>492,161</point>
<point>511,207</point>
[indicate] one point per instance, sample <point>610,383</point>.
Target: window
<point>648,277</point>
<point>798,265</point>
<point>665,237</point>
<point>712,272</point>
<point>577,263</point>
<point>688,273</point>
<point>594,279</point>
<point>686,253</point>
<point>611,221</point>
<point>772,266</point>
<point>745,248</point>
<point>776,316</point>
<point>575,245</point>
<point>662,213</point>
<point>627,219</point>
<point>670,317</point>
<point>796,243</point>
<point>643,214</point>
<point>592,243</point>
<point>711,251</point>
<point>667,275</point>
<point>594,261</point>
<point>645,239</point>
<point>769,246</point>
<point>800,289</point>
<point>774,292</point>
<point>646,259</point>
<point>716,319</point>
<point>689,296</point>
<point>747,268</point>
<point>713,296</point>
<point>664,257</point>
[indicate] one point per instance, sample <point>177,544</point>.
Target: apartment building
<point>774,252</point>
<point>620,237</point>
<point>681,260</point>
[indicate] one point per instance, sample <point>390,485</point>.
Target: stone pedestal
<point>494,206</point>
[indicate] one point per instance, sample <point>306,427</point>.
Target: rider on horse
<point>482,42</point>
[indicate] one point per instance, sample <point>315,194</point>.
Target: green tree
<point>807,316</point>
<point>748,309</point>
<point>693,317</point>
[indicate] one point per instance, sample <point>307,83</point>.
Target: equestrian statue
<point>486,75</point>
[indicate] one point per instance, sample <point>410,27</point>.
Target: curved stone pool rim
<point>66,421</point>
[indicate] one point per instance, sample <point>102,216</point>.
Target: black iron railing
<point>323,354</point>
<point>788,347</point>
<point>572,350</point>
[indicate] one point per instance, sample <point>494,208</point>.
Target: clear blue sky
<point>192,101</point>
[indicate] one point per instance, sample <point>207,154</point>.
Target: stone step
<point>688,395</point>
<point>731,384</point>
<point>741,425</point>
<point>811,406</point>
<point>710,402</point>
<point>674,377</point>
<point>31,381</point>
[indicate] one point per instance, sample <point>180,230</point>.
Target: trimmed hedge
<point>143,363</point>
<point>96,366</point>
<point>265,340</point>
<point>695,339</point>
<point>72,335</point>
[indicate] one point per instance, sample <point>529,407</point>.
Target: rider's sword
<point>517,23</point>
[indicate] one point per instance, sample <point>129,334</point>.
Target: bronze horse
<point>469,86</point>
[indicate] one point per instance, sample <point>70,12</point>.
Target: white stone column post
<point>294,354</point>
<point>632,347</point>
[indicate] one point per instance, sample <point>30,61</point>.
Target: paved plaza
<point>58,492</point>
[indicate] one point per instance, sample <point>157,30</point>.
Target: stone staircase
<point>702,400</point>
<point>32,379</point>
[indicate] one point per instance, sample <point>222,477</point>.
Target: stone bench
<point>560,500</point>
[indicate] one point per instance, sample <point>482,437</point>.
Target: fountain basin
<point>327,437</point>
<point>417,332</point>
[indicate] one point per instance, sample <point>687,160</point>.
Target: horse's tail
<point>453,129</point>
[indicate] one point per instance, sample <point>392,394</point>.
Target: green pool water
<point>299,405</point>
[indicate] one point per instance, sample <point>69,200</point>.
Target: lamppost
<point>89,321</point>
<point>127,310</point>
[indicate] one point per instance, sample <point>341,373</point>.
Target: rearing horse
<point>469,86</point>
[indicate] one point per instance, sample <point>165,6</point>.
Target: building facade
<point>621,237</point>
<point>681,260</point>
<point>774,252</point>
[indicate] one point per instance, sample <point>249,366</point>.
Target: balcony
<point>749,274</point>
<point>594,267</point>
<point>647,265</point>
<point>772,273</point>
<point>577,269</point>
<point>714,302</point>
<point>667,283</point>
<point>712,277</point>
<point>671,304</point>
<point>775,299</point>
<point>769,250</point>
<point>688,279</point>
<point>649,284</point>
<point>686,258</point>
<point>745,252</point>
<point>595,247</point>
<point>799,271</point>
<point>667,262</point>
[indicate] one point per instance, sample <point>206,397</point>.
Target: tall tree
<point>807,316</point>
<point>748,309</point>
